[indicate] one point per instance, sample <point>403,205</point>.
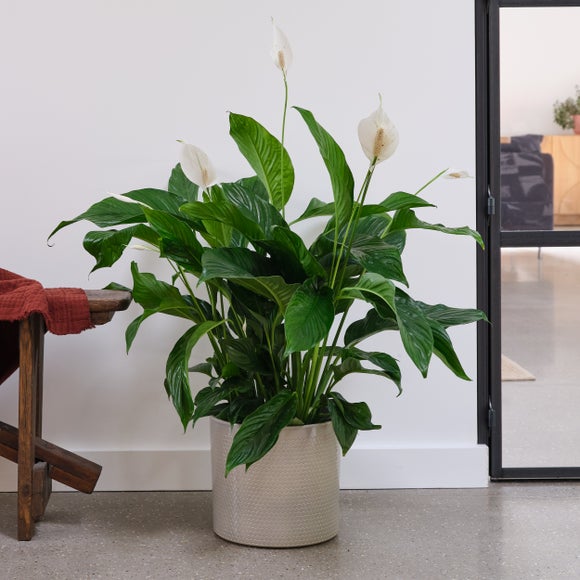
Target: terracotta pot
<point>576,124</point>
<point>287,499</point>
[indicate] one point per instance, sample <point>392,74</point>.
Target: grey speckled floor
<point>517,531</point>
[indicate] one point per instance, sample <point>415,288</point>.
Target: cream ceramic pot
<point>287,499</point>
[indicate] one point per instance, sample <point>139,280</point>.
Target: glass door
<point>535,184</point>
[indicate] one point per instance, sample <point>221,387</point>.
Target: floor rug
<point>512,371</point>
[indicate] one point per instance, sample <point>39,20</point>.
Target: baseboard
<point>453,467</point>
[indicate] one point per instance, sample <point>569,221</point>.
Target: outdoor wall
<point>95,95</point>
<point>539,65</point>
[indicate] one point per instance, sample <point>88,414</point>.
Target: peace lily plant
<point>276,310</point>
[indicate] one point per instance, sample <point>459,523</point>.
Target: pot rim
<point>311,425</point>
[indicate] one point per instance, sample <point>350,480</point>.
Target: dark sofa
<point>527,185</point>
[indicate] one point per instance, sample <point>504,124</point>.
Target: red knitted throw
<point>65,311</point>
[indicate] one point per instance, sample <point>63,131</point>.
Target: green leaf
<point>406,219</point>
<point>347,419</point>
<point>181,186</point>
<point>108,246</point>
<point>261,429</point>
<point>225,213</point>
<point>448,316</point>
<point>287,248</point>
<point>251,198</point>
<point>107,213</point>
<point>133,328</point>
<point>341,177</point>
<point>266,156</point>
<point>157,199</point>
<point>415,331</point>
<point>154,294</point>
<point>309,316</point>
<point>249,270</point>
<point>443,349</point>
<point>382,360</point>
<point>371,324</point>
<point>204,368</point>
<point>403,200</point>
<point>177,370</point>
<point>375,255</point>
<point>316,208</point>
<point>243,352</point>
<point>373,225</point>
<point>178,236</point>
<point>372,287</point>
<point>205,402</point>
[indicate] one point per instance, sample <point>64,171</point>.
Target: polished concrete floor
<point>508,531</point>
<point>541,332</point>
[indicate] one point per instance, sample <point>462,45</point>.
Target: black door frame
<point>488,220</point>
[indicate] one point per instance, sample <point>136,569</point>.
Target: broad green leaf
<point>244,353</point>
<point>134,326</point>
<point>261,429</point>
<point>375,255</point>
<point>372,287</point>
<point>203,368</point>
<point>234,263</point>
<point>108,246</point>
<point>266,156</point>
<point>309,316</point>
<point>403,200</point>
<point>249,270</point>
<point>371,324</point>
<point>347,419</point>
<point>352,365</point>
<point>181,186</point>
<point>443,349</point>
<point>382,360</point>
<point>251,198</point>
<point>156,295</point>
<point>286,247</point>
<point>415,331</point>
<point>341,177</point>
<point>225,213</point>
<point>157,199</point>
<point>406,219</point>
<point>397,239</point>
<point>448,316</point>
<point>177,370</point>
<point>107,213</point>
<point>344,431</point>
<point>179,234</point>
<point>316,208</point>
<point>205,402</point>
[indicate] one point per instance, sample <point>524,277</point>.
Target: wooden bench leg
<point>31,342</point>
<point>41,489</point>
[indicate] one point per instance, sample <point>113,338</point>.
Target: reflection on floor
<point>541,332</point>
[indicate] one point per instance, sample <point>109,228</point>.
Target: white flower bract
<point>196,166</point>
<point>281,52</point>
<point>378,135</point>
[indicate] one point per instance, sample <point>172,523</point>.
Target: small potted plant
<point>567,112</point>
<point>277,313</point>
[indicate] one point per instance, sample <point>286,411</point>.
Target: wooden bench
<point>39,462</point>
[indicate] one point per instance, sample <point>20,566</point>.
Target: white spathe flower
<point>281,51</point>
<point>378,136</point>
<point>458,174</point>
<point>196,166</point>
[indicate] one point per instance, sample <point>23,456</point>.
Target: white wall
<point>539,65</point>
<point>95,95</point>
